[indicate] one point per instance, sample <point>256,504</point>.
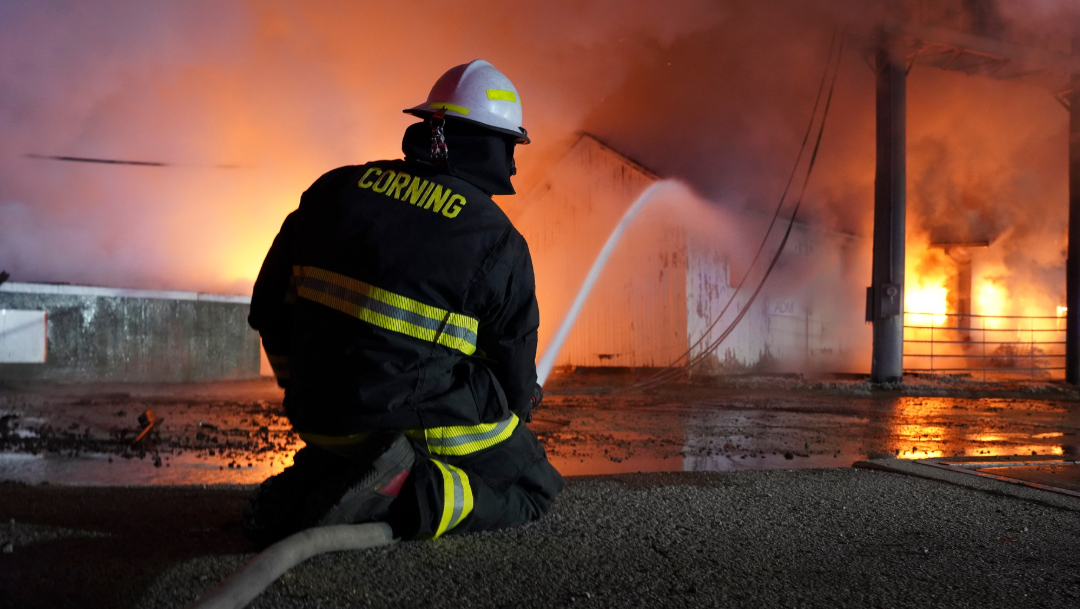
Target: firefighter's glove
<point>537,397</point>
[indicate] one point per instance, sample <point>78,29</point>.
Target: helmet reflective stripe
<point>450,107</point>
<point>509,96</point>
<point>478,93</point>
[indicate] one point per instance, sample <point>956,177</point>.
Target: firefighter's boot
<point>363,491</point>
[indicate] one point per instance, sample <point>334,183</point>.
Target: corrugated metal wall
<point>636,314</point>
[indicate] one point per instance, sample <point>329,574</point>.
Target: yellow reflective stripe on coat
<point>461,440</point>
<point>387,310</point>
<point>457,497</point>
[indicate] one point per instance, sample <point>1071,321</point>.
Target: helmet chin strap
<point>439,151</point>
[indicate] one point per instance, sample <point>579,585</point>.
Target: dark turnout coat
<point>398,297</point>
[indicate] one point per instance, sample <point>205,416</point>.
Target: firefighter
<point>397,308</point>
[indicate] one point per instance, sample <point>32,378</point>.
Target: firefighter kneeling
<point>405,339</point>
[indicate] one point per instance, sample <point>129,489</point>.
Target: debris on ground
<point>238,433</point>
<point>149,421</point>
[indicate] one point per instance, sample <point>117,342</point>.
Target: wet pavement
<point>1058,474</point>
<point>118,526</point>
<point>236,433</point>
<point>1064,476</point>
<point>208,434</point>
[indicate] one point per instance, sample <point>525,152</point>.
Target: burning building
<point>712,93</point>
<point>976,279</point>
<point>671,287</point>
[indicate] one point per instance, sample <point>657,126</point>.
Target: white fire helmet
<point>478,93</point>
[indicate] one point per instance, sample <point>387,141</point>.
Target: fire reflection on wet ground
<point>805,430</point>
<point>236,433</point>
<point>211,434</point>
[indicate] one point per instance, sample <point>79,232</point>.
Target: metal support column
<point>885,298</point>
<point>1072,264</point>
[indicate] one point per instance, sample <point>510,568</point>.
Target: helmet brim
<point>522,136</point>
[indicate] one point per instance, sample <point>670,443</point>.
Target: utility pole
<point>1072,264</point>
<point>885,297</point>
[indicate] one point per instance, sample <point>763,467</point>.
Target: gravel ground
<point>810,538</point>
<point>784,538</point>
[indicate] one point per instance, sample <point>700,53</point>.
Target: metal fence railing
<point>995,346</point>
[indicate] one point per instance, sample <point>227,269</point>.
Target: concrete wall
<point>110,335</point>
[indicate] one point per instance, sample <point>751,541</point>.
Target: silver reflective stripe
<point>388,310</point>
<point>469,438</point>
<point>459,498</point>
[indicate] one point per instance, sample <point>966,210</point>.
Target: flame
<point>925,293</point>
<point>927,305</point>
<point>990,298</point>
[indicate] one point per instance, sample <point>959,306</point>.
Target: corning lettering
<point>384,181</point>
<point>413,189</point>
<point>453,208</point>
<point>438,198</point>
<point>399,183</point>
<point>363,183</point>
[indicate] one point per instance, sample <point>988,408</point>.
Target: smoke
<point>988,162</point>
<point>986,157</point>
<point>248,102</point>
<point>1036,13</point>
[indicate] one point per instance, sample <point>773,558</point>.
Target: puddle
<point>1048,473</point>
<point>772,432</point>
<point>99,469</point>
<point>218,436</point>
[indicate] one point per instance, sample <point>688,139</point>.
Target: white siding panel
<point>635,315</point>
<point>711,297</point>
<point>23,336</point>
<point>664,285</point>
<point>805,317</point>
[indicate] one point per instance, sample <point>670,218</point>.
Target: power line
<point>82,159</point>
<point>85,159</point>
<point>671,369</point>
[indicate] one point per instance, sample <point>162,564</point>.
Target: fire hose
<point>243,586</point>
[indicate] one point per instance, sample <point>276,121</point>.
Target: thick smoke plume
<point>249,102</point>
<point>277,92</point>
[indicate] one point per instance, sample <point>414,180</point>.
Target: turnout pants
<point>474,478</point>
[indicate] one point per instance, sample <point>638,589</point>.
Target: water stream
<point>547,360</point>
